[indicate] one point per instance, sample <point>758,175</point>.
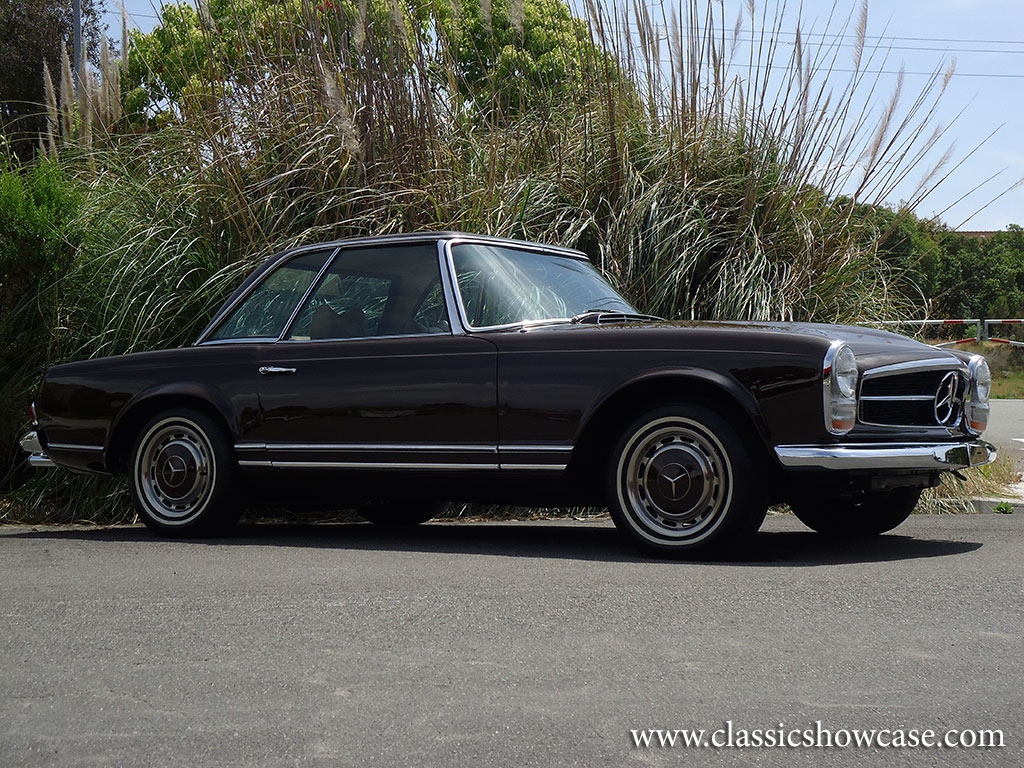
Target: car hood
<point>872,347</point>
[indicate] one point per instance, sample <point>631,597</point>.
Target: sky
<point>986,37</point>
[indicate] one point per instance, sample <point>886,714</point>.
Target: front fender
<point>702,377</point>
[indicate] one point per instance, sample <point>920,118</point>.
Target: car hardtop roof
<point>273,261</point>
<point>405,237</point>
<point>434,236</point>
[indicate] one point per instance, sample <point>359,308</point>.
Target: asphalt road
<point>518,644</point>
<point>1006,427</point>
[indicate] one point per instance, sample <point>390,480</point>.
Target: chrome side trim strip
<point>74,447</point>
<point>534,466</point>
<point>537,448</point>
<point>879,456</point>
<point>375,465</point>
<point>437,448</point>
<point>414,465</point>
<point>426,447</point>
<point>40,460</point>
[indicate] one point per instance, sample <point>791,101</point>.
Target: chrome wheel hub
<point>675,480</point>
<point>175,470</point>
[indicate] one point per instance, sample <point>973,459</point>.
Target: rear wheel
<point>682,480</point>
<point>394,514</point>
<point>183,475</point>
<point>867,515</point>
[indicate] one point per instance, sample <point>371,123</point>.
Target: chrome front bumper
<point>931,457</point>
<point>36,457</point>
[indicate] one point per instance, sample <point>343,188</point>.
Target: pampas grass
<point>709,175</point>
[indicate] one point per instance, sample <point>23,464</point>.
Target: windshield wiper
<point>594,317</point>
<point>604,316</point>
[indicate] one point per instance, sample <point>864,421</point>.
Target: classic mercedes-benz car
<point>392,374</point>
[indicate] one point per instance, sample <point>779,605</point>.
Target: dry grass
<point>954,494</point>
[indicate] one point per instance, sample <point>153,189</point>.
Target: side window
<point>344,306</point>
<point>381,291</point>
<point>264,312</point>
<point>431,316</point>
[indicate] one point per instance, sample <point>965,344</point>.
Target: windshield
<point>502,285</point>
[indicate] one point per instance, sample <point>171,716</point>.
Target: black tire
<point>183,475</point>
<point>868,515</point>
<point>720,508</point>
<point>395,514</point>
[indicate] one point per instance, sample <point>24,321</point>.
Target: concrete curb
<point>989,503</point>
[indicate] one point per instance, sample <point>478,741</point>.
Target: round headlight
<point>844,370</point>
<point>983,380</point>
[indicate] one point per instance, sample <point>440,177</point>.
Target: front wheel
<point>871,514</point>
<point>682,480</point>
<point>183,475</point>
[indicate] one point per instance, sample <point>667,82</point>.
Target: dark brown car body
<point>517,414</point>
<point>385,372</point>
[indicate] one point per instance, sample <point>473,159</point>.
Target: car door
<point>369,374</point>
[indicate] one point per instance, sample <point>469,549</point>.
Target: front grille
<point>894,385</point>
<point>909,399</point>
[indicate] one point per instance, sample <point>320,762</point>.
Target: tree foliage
<point>507,56</point>
<point>981,276</point>
<point>515,55</point>
<point>37,242</point>
<point>35,31</point>
<point>958,275</point>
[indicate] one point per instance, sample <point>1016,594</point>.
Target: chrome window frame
<point>337,248</point>
<point>453,298</point>
<point>338,253</point>
<point>286,331</point>
<point>551,250</point>
<point>286,257</point>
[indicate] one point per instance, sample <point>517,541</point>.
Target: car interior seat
<point>328,324</point>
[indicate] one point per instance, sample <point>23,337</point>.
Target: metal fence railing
<point>1003,321</point>
<point>983,328</point>
<point>968,321</point>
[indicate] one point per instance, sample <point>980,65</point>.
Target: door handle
<point>274,370</point>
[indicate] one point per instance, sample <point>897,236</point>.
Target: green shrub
<point>38,238</point>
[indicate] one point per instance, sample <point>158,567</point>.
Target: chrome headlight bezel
<point>840,377</point>
<point>979,390</point>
